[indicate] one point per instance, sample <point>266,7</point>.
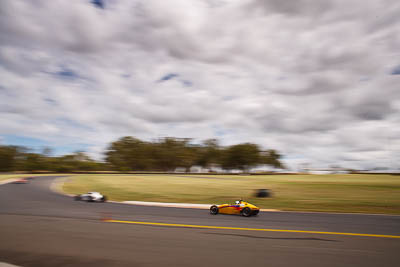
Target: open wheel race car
<point>240,207</point>
<point>91,197</point>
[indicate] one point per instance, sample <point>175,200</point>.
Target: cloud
<point>312,80</point>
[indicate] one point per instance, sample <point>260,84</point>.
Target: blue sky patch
<point>22,141</point>
<point>218,131</point>
<point>171,76</point>
<point>50,101</point>
<point>396,70</point>
<point>168,77</point>
<point>68,122</point>
<point>187,83</point>
<point>98,3</point>
<point>37,144</point>
<point>67,74</point>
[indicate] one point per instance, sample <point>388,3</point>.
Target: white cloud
<point>309,79</point>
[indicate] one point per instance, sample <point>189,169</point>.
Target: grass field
<point>362,193</point>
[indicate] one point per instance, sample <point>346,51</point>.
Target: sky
<point>319,81</point>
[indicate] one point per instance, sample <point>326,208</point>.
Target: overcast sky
<point>317,80</point>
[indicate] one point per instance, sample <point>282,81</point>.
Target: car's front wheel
<point>214,210</point>
<point>246,212</point>
<point>103,199</point>
<point>77,198</point>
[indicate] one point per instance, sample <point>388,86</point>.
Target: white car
<point>91,197</point>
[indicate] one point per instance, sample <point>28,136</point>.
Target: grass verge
<point>362,193</point>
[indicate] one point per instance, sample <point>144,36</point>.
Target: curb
<point>169,205</point>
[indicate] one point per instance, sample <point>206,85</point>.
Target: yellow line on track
<point>249,229</point>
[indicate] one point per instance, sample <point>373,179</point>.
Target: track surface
<point>41,228</point>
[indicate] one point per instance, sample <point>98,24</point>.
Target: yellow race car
<point>240,207</point>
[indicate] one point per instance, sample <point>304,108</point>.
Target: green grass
<point>334,193</point>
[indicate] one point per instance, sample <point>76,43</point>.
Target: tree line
<point>132,154</point>
<point>17,158</point>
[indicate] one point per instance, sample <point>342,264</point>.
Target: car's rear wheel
<point>246,212</point>
<point>77,198</point>
<point>214,210</point>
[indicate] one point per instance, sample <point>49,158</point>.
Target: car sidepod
<point>229,209</point>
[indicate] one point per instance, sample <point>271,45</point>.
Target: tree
<point>209,153</point>
<point>77,161</point>
<point>33,162</point>
<point>166,154</point>
<point>241,156</point>
<point>271,157</point>
<point>128,153</point>
<point>170,153</point>
<point>8,155</point>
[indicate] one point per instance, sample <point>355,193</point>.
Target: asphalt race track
<point>41,228</point>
